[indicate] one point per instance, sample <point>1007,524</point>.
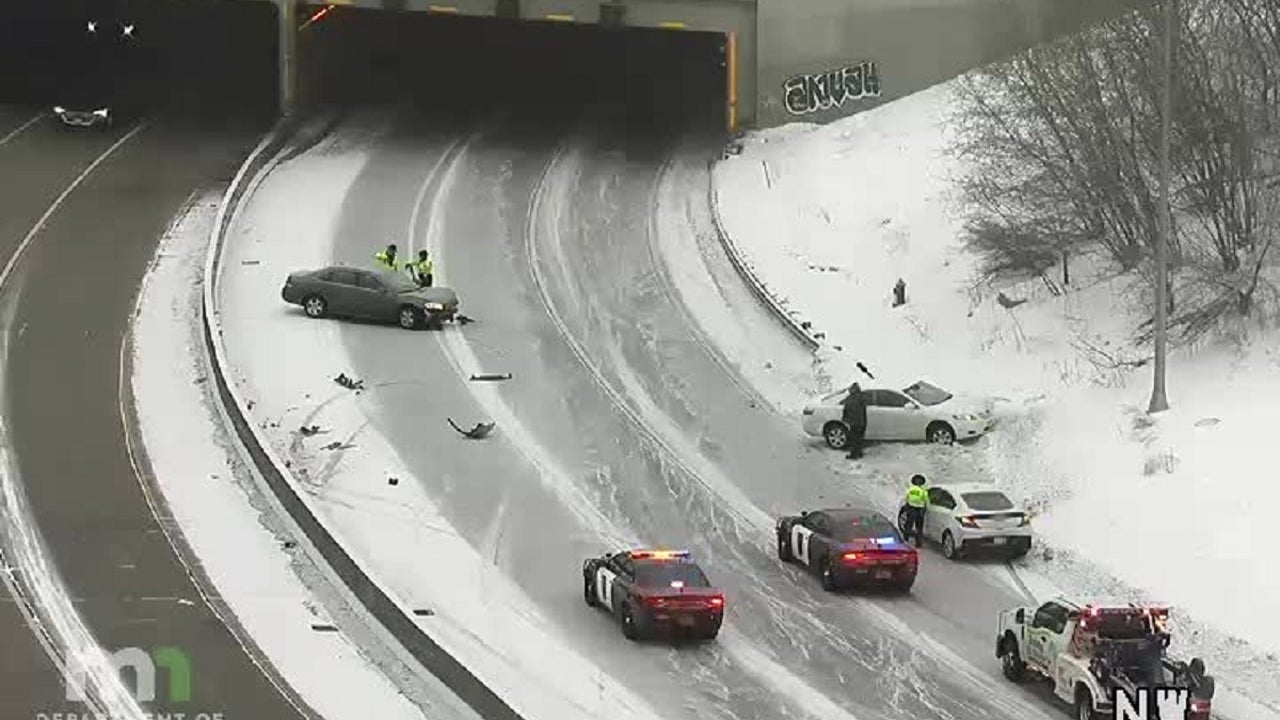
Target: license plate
<point>882,574</point>
<point>1000,540</point>
<point>685,620</point>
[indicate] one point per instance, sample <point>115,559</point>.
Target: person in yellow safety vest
<point>917,502</point>
<point>386,258</point>
<point>421,269</point>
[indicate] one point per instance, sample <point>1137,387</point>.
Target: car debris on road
<point>479,432</point>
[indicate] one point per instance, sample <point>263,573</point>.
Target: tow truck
<point>1088,651</point>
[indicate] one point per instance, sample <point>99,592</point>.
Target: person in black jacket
<point>854,416</point>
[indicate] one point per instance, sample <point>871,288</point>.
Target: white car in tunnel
<point>920,412</point>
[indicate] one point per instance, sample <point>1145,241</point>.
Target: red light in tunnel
<point>316,16</point>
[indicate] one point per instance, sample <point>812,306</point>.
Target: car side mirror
<point>1020,617</point>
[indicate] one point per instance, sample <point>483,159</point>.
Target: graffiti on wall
<point>804,94</point>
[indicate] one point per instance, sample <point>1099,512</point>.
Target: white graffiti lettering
<point>804,94</point>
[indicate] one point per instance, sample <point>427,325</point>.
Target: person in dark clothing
<point>854,416</point>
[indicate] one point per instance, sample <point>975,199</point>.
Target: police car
<point>848,547</point>
<point>654,592</point>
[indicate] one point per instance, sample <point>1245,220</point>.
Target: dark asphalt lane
<point>79,281</point>
<point>35,166</point>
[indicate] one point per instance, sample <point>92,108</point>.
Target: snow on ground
<point>831,217</point>
<point>285,365</point>
<point>199,474</point>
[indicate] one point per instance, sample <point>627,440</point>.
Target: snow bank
<point>831,217</point>
<point>194,466</point>
<point>285,365</point>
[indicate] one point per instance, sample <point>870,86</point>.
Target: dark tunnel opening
<point>449,64</point>
<point>209,57</point>
<point>193,57</point>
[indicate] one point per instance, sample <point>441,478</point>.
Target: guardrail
<point>758,288</point>
<point>394,617</point>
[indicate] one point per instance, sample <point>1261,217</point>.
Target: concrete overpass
<point>788,60</point>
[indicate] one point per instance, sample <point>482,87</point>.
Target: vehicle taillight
<point>913,558</point>
<point>969,522</point>
<point>716,602</point>
<point>655,602</point>
<point>1200,707</point>
<point>850,557</point>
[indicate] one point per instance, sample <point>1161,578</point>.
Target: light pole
<point>1159,397</point>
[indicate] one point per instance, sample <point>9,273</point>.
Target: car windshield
<point>659,574</point>
<point>865,529</point>
<point>396,282</point>
<point>926,394</point>
<point>987,500</point>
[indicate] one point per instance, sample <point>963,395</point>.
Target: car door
<point>340,291</point>
<point>1043,632</point>
<point>803,533</point>
<point>608,583</point>
<point>899,415</point>
<point>373,297</point>
<point>938,515</point>
<point>877,423</point>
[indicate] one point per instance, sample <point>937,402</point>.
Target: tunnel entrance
<point>450,64</point>
<point>194,57</point>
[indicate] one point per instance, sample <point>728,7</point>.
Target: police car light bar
<point>658,554</point>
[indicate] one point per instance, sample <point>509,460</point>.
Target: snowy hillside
<point>1174,506</point>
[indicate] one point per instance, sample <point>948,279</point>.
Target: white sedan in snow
<point>920,412</point>
<point>968,518</point>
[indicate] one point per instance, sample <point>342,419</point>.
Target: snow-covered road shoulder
<point>214,502</point>
<point>285,365</point>
<point>829,218</point>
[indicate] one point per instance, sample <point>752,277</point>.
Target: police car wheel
<point>949,550</point>
<point>588,593</point>
<point>828,578</point>
<point>784,549</point>
<point>628,621</point>
<point>315,306</point>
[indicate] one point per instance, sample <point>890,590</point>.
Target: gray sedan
<point>370,295</point>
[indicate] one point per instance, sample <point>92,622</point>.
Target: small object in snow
<point>290,544</point>
<point>899,293</point>
<point>337,445</point>
<point>805,324</point>
<point>424,612</point>
<point>864,369</point>
<point>250,262</point>
<point>1007,302</point>
<point>464,320</point>
<point>200,380</point>
<point>309,430</point>
<point>288,464</point>
<point>1208,422</point>
<point>819,336</point>
<point>393,481</point>
<point>249,405</point>
<point>838,348</point>
<point>490,376</point>
<point>349,383</point>
<point>480,431</point>
<point>768,366</point>
<point>323,627</point>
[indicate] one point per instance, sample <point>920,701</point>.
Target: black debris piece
<point>464,320</point>
<point>424,612</point>
<point>336,445</point>
<point>490,376</point>
<point>290,544</point>
<point>323,627</point>
<point>481,430</point>
<point>309,430</point>
<point>865,371</point>
<point>393,481</point>
<point>1007,302</point>
<point>348,382</point>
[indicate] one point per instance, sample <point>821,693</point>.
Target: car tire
<point>315,306</point>
<point>1011,663</point>
<point>410,317</point>
<point>627,620</point>
<point>836,435</point>
<point>940,433</point>
<point>829,582</point>
<point>1084,706</point>
<point>949,549</point>
<point>589,593</point>
<point>784,549</point>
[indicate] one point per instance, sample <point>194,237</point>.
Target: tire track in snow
<point>563,484</point>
